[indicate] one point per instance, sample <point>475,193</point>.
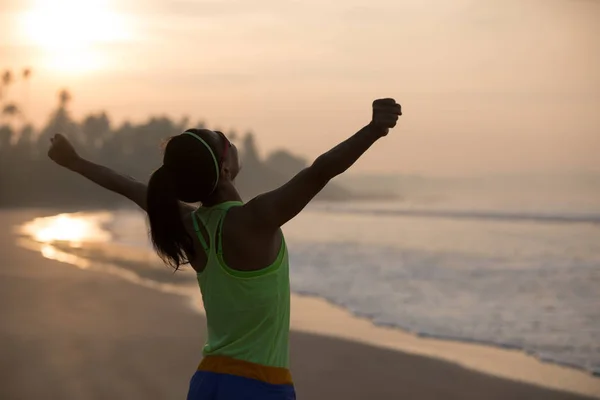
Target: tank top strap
<point>211,219</point>
<point>219,235</point>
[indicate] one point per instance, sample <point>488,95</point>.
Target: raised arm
<point>271,210</point>
<point>62,152</point>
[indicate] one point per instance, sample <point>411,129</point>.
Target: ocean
<point>512,262</point>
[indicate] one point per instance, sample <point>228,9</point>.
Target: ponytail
<point>169,236</point>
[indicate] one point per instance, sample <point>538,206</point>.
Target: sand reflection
<point>84,241</point>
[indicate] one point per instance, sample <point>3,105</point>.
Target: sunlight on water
<point>188,291</point>
<point>72,228</point>
<point>53,253</point>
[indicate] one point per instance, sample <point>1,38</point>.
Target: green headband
<point>212,153</point>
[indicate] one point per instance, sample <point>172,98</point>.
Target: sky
<point>486,86</point>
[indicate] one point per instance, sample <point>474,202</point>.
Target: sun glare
<point>71,228</point>
<point>69,32</point>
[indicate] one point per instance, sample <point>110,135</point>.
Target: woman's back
<point>247,310</point>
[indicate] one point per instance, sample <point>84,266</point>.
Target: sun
<point>71,32</point>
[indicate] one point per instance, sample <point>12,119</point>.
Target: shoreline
<point>316,315</point>
<point>517,365</point>
<point>319,316</point>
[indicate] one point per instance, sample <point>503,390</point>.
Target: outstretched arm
<point>62,152</point>
<point>273,209</point>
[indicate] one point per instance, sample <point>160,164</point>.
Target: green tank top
<point>247,312</point>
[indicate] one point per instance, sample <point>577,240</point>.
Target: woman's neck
<point>224,192</point>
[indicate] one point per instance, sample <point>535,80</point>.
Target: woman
<point>237,250</point>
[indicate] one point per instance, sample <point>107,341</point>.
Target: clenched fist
<point>62,152</point>
<point>385,115</point>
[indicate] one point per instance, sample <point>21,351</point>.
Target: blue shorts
<point>215,386</point>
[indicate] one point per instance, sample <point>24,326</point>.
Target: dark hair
<point>188,174</point>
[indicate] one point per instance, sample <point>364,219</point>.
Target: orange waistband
<point>232,366</point>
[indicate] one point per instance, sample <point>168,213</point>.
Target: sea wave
<point>486,215</point>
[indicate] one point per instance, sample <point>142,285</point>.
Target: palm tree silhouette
<point>25,75</point>
<point>7,79</point>
<point>64,98</point>
<point>10,111</point>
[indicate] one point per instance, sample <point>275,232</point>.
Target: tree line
<point>29,179</point>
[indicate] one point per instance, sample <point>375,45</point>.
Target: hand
<point>62,152</point>
<point>385,115</point>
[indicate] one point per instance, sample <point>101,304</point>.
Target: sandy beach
<point>68,333</point>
